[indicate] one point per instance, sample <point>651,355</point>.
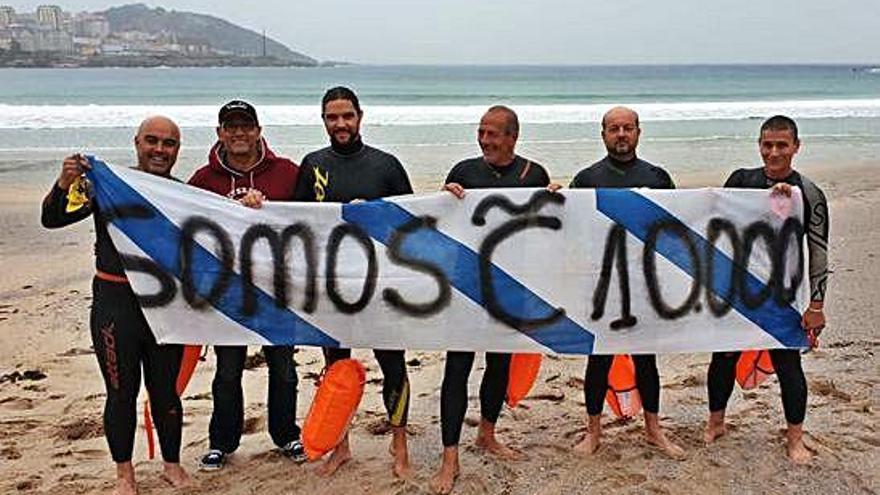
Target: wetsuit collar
<point>620,167</point>
<point>348,149</point>
<point>790,174</point>
<point>499,170</point>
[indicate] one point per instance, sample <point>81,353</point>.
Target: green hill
<point>220,34</point>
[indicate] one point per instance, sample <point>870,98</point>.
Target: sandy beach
<point>51,394</point>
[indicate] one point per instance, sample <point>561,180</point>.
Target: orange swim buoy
<point>335,403</point>
<point>623,394</point>
<point>191,355</point>
<point>752,368</point>
<point>521,376</point>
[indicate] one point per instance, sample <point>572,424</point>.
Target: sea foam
<point>108,116</point>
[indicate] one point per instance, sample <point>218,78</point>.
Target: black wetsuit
<point>475,173</point>
<point>786,362</point>
<point>123,343</point>
<point>342,175</point>
<point>610,173</point>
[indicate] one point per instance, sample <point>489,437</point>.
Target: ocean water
<point>693,117</point>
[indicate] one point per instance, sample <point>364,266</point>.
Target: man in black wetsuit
<point>346,171</point>
<point>619,169</point>
<point>121,338</point>
<point>778,144</point>
<point>498,167</point>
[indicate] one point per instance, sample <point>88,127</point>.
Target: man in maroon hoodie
<point>243,168</point>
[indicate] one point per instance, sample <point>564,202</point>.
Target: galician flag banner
<point>522,270</point>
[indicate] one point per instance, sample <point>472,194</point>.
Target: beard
<point>351,145</point>
<point>621,150</point>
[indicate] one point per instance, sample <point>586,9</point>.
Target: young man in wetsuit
<point>122,340</point>
<point>778,144</point>
<point>621,169</point>
<point>349,170</point>
<point>243,168</point>
<point>499,166</point>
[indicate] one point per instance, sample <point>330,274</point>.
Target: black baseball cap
<point>238,106</point>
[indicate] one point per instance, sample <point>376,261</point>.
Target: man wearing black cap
<point>243,168</point>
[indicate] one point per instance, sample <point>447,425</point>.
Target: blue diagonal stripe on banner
<point>637,213</point>
<point>159,238</point>
<point>461,265</point>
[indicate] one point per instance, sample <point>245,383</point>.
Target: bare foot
<point>337,459</point>
<point>125,487</point>
<point>797,452</point>
<point>444,480</point>
<point>715,427</point>
<point>125,483</point>
<point>486,440</point>
<point>175,475</point>
<point>658,439</point>
<point>398,449</point>
<point>402,468</point>
<point>714,432</point>
<point>588,446</point>
<point>493,446</point>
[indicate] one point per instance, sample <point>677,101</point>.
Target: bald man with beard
<point>622,169</point>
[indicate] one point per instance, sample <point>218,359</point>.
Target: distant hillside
<point>220,34</point>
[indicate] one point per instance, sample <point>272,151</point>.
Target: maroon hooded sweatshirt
<point>273,175</point>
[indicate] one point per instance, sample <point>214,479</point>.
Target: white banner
<point>524,270</point>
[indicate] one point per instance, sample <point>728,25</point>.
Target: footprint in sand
<point>18,376</point>
<point>16,427</point>
<point>575,432</point>
<point>17,403</point>
<point>551,447</point>
<point>253,424</point>
<point>656,489</point>
<point>201,396</point>
<point>76,351</point>
<point>873,441</point>
<point>625,479</point>
<point>197,442</point>
<point>80,429</point>
<point>90,453</point>
<point>70,477</point>
<point>575,382</point>
<point>472,483</point>
<point>690,381</point>
<point>828,388</point>
<point>63,453</point>
<point>29,484</point>
<point>10,453</point>
<point>379,426</point>
<point>551,396</point>
<point>7,309</point>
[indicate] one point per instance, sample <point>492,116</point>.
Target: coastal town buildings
<point>51,30</point>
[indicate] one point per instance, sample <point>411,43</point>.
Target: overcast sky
<point>553,31</point>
